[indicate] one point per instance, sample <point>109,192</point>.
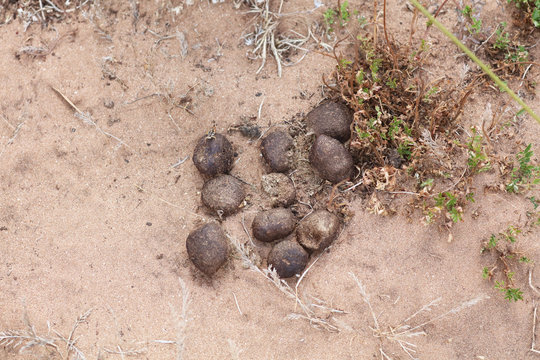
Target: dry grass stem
<point>180,162</point>
<point>234,349</point>
<point>13,137</point>
<point>402,333</point>
<point>42,51</point>
<point>533,344</point>
<point>265,39</point>
<point>246,231</point>
<point>22,340</point>
<point>124,353</point>
<point>534,288</point>
<point>365,297</point>
<point>181,319</point>
<point>237,306</point>
<point>319,315</point>
<point>87,119</point>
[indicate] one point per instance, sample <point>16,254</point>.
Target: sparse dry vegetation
<point>404,333</point>
<point>415,151</point>
<point>316,311</point>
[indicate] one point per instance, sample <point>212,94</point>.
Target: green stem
<point>473,57</point>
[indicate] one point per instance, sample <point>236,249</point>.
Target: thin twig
<point>180,162</point>
<point>87,119</point>
<point>237,306</point>
<point>533,349</point>
<point>502,85</point>
<point>531,284</point>
<point>246,231</point>
<point>260,109</point>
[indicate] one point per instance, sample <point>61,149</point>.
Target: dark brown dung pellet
<point>213,155</point>
<point>288,258</point>
<point>318,230</point>
<point>331,159</point>
<point>223,194</point>
<point>280,188</point>
<point>331,119</point>
<point>207,248</point>
<point>276,149</point>
<point>273,224</point>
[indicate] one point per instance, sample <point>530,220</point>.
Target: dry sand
<point>91,222</point>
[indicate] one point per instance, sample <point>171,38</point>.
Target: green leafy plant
<point>478,160</point>
<point>475,24</point>
<point>343,63</point>
<point>509,235</point>
<point>506,256</point>
<point>501,40</point>
<point>511,294</point>
<point>449,202</point>
<point>362,21</point>
<point>531,8</point>
<point>329,18</point>
<point>429,94</point>
<point>518,55</point>
<point>344,13</point>
<point>427,183</point>
<point>535,16</point>
<point>467,11</point>
<point>486,273</point>
<point>525,175</point>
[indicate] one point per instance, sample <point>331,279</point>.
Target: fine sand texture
<point>100,111</point>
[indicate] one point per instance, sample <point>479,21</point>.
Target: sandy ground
<point>91,222</point>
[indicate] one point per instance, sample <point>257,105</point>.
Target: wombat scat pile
<point>207,246</point>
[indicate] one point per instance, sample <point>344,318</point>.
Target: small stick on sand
<point>531,284</point>
<point>87,119</point>
<point>247,232</point>
<point>180,162</point>
<point>532,349</point>
<point>237,306</point>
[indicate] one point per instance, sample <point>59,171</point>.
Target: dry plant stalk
<point>310,309</point>
<point>42,11</point>
<point>66,347</point>
<point>46,49</point>
<point>22,340</point>
<point>234,349</point>
<point>87,118</point>
<point>181,319</point>
<point>404,332</point>
<point>265,39</point>
<point>533,344</point>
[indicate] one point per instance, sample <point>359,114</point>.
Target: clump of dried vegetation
<point>20,341</point>
<point>39,11</point>
<point>264,37</point>
<point>408,132</point>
